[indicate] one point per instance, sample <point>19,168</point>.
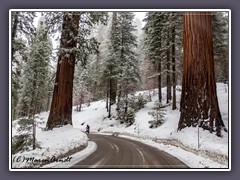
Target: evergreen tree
<point>83,84</point>
<point>74,44</point>
<point>163,32</point>
<point>153,44</point>
<point>17,73</point>
<point>199,102</point>
<point>158,115</point>
<point>112,60</point>
<point>129,74</point>
<point>220,45</point>
<point>36,73</point>
<point>21,28</point>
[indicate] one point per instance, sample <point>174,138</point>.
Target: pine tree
<point>158,115</point>
<point>199,102</point>
<point>112,60</point>
<point>17,73</point>
<point>220,45</point>
<point>163,32</point>
<point>115,49</point>
<point>21,28</point>
<point>83,84</point>
<point>153,44</point>
<point>129,74</point>
<point>36,73</point>
<point>147,69</point>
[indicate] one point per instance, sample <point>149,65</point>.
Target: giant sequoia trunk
<point>61,107</point>
<point>199,102</point>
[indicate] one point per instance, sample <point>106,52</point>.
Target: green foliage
<point>120,59</point>
<point>129,73</point>
<point>220,45</point>
<point>137,102</point>
<point>25,125</point>
<point>120,111</point>
<point>23,21</point>
<point>25,138</point>
<point>36,72</point>
<point>158,41</point>
<point>130,117</point>
<point>125,114</point>
<point>22,28</point>
<point>158,115</point>
<point>21,143</point>
<point>86,43</point>
<point>126,110</point>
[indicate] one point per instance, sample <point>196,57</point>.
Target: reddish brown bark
<point>61,107</point>
<point>199,102</point>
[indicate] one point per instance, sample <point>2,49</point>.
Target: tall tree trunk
<point>119,94</point>
<point>110,103</point>
<point>34,133</point>
<point>13,36</point>
<point>126,105</point>
<point>159,83</point>
<point>199,102</point>
<point>61,107</point>
<point>174,106</point>
<point>14,31</point>
<point>225,70</point>
<point>168,71</point>
<point>48,101</point>
<point>107,98</point>
<point>95,91</point>
<point>113,90</point>
<point>160,76</point>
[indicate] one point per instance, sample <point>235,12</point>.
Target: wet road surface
<point>117,152</point>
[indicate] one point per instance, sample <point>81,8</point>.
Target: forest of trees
<point>109,55</point>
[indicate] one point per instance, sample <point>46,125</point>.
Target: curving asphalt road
<point>118,152</point>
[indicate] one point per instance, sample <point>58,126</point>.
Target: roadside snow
<point>53,144</point>
<point>91,147</point>
<point>195,147</point>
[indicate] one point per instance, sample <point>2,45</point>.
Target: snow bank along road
<point>118,152</point>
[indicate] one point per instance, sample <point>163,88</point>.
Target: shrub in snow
<point>126,110</point>
<point>25,139</point>
<point>125,114</point>
<point>130,117</point>
<point>137,102</point>
<point>21,143</point>
<point>158,115</point>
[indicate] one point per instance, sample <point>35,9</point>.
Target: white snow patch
<point>166,137</point>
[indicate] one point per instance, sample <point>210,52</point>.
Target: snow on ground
<point>53,144</point>
<point>195,147</point>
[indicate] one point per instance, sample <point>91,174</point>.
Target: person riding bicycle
<point>87,129</point>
